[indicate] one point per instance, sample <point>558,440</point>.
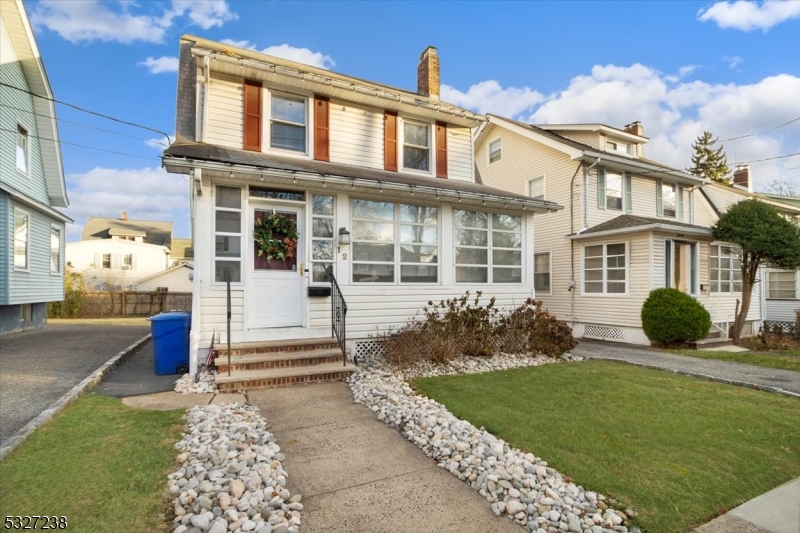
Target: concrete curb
<point>708,377</point>
<point>45,416</point>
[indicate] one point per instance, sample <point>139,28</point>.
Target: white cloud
<point>489,96</point>
<point>286,51</point>
<point>682,73</point>
<point>145,193</point>
<point>161,64</point>
<point>90,20</point>
<point>746,15</point>
<point>160,143</point>
<point>733,61</point>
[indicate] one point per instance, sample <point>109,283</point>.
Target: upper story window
<point>605,269</point>
<point>287,122</point>
<point>614,146</point>
<point>782,285</point>
<point>496,150</point>
<point>55,250</point>
<point>21,239</point>
<point>416,146</point>
<point>23,153</point>
<point>669,199</point>
<point>106,261</point>
<point>725,269</point>
<point>613,191</point>
<point>536,188</point>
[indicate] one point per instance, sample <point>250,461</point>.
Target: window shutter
<point>441,150</point>
<point>601,188</point>
<point>133,261</point>
<point>390,140</point>
<point>252,115</point>
<point>321,128</point>
<point>659,199</point>
<point>98,260</point>
<point>116,261</point>
<point>628,193</point>
<point>679,202</point>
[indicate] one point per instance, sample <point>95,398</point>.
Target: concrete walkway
<point>356,474</point>
<point>726,371</point>
<point>777,511</point>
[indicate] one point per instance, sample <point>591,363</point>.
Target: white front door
<point>274,292</point>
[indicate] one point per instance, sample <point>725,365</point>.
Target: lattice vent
<point>368,350</point>
<point>603,332</point>
<point>785,326</point>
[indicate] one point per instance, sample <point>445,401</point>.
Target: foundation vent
<point>367,350</point>
<point>603,332</point>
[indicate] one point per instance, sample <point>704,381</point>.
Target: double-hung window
<point>488,247</point>
<point>613,191</point>
<point>541,272</point>
<point>55,250</point>
<point>228,234</point>
<point>322,238</point>
<point>781,284</point>
<point>496,150</point>
<point>536,188</point>
<point>21,239</point>
<point>389,237</point>
<point>416,146</point>
<point>669,199</point>
<point>725,269</point>
<point>105,261</point>
<point>127,261</point>
<point>287,122</point>
<point>605,269</point>
<point>22,151</point>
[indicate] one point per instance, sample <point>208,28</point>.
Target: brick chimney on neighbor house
<point>428,73</point>
<point>635,128</point>
<point>123,215</point>
<point>741,177</point>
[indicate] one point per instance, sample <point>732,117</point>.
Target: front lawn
<point>100,464</point>
<point>679,450</point>
<point>784,360</point>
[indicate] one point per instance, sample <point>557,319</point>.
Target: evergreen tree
<point>708,161</point>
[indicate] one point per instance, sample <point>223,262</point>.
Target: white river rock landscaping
<point>205,383</point>
<point>231,478</point>
<point>518,485</point>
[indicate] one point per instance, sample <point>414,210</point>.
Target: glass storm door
<point>274,293</point>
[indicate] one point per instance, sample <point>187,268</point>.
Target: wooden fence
<point>112,304</point>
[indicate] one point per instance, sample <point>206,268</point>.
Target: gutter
<point>702,232</point>
<point>681,177</point>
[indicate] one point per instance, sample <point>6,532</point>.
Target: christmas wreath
<point>275,236</point>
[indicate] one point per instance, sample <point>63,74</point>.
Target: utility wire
<point>84,146</point>
<point>84,125</point>
<point>762,133</point>
<point>166,136</point>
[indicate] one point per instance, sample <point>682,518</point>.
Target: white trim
<point>574,153</point>
<point>266,120</point>
<point>23,126</point>
<point>35,204</point>
<point>732,256</point>
<point>543,177</point>
<point>401,145</point>
<point>702,232</point>
<point>523,251</point>
<point>242,234</point>
<point>28,223</point>
<point>796,284</point>
<point>489,161</point>
<point>605,246</point>
<point>614,132</point>
<point>60,268</point>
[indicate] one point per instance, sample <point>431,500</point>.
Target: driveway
<point>38,367</point>
<point>787,380</point>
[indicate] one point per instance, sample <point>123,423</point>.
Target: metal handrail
<point>338,315</point>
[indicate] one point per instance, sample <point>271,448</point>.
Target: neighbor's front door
<point>274,291</point>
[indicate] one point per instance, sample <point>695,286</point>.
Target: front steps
<point>710,342</point>
<point>258,365</point>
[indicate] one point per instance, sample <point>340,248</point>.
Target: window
<point>669,199</point>
<point>495,150</point>
<point>21,236</point>
<point>613,146</point>
<point>106,261</point>
<point>541,272</point>
<point>613,191</point>
<point>228,234</point>
<point>387,236</point>
<point>287,123</point>
<point>536,189</point>
<point>322,238</point>
<point>55,250</point>
<point>680,260</point>
<point>26,312</point>
<point>725,269</point>
<point>127,261</point>
<point>416,146</point>
<point>604,269</point>
<point>782,285</point>
<point>22,149</point>
<point>476,235</point>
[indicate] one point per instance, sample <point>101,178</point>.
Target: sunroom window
<point>604,269</point>
<point>228,234</point>
<point>488,247</point>
<point>725,269</point>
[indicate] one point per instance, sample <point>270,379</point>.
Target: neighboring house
<point>177,278</point>
<point>31,180</point>
<point>346,159</point>
<point>780,297</point>
<point>182,252</point>
<point>630,225</point>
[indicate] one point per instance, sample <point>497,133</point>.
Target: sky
<point>681,68</point>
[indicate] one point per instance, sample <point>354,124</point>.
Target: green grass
<point>679,450</point>
<point>784,360</point>
<point>99,463</point>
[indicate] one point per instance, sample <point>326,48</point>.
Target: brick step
<point>710,343</point>
<point>284,345</point>
<point>261,361</point>
<point>282,377</point>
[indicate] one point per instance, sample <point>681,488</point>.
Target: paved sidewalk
<point>750,375</point>
<point>356,474</point>
<point>777,511</point>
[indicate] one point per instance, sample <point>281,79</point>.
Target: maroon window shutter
<point>441,150</point>
<point>252,115</point>
<point>390,140</point>
<point>321,128</point>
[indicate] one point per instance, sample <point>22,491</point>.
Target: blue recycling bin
<point>170,334</point>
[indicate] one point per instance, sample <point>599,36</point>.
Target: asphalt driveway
<point>38,367</point>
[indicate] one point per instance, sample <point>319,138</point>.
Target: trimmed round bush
<point>670,316</point>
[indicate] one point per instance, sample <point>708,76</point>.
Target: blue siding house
<point>31,180</point>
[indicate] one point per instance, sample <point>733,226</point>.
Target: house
<point>31,180</point>
<point>182,252</point>
<point>630,225</point>
<point>114,253</point>
<point>379,183</point>
<point>780,297</point>
<point>177,278</point>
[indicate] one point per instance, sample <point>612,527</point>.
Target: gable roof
<point>721,197</point>
<point>631,224</point>
<point>16,21</point>
<point>157,275</point>
<point>154,231</point>
<point>602,128</point>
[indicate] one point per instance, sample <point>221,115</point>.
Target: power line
<point>84,146</point>
<point>762,133</point>
<point>87,110</point>
<point>768,159</point>
<point>83,125</point>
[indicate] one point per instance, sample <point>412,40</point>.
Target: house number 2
<point>344,257</point>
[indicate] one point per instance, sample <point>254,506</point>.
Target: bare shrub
<point>529,328</point>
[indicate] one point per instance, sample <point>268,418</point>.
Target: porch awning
<point>626,224</point>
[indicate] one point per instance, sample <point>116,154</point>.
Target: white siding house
<point>340,157</point>
<point>116,264</point>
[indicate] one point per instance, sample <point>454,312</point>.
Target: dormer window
<point>416,146</point>
<point>496,150</point>
<point>287,122</point>
<point>22,149</point>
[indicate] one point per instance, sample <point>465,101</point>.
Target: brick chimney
<point>635,128</point>
<point>741,177</point>
<point>428,73</point>
<point>123,215</point>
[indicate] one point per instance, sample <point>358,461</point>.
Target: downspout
<point>206,92</point>
<point>571,284</point>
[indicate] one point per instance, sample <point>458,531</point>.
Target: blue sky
<point>678,67</point>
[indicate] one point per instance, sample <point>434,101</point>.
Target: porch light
<point>344,237</point>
